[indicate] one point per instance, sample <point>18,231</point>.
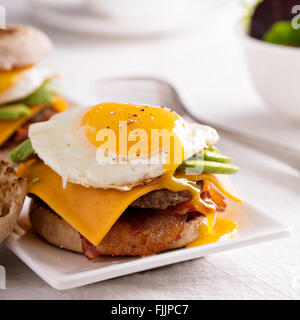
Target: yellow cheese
<point>9,78</point>
<point>92,212</point>
<point>59,104</point>
<point>8,127</point>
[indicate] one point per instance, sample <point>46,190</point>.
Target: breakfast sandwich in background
<point>27,94</point>
<point>124,179</point>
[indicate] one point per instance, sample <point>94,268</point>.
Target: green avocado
<point>22,152</point>
<point>213,149</point>
<point>213,156</point>
<point>43,94</point>
<point>203,166</point>
<point>14,111</point>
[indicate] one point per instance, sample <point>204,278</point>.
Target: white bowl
<point>275,70</point>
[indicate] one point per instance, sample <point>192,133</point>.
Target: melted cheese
<point>90,211</point>
<point>220,181</point>
<point>9,78</point>
<point>9,127</point>
<point>59,104</point>
<point>223,229</point>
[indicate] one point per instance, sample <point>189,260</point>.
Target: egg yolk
<point>8,78</point>
<point>135,130</point>
<point>224,229</point>
<point>142,131</point>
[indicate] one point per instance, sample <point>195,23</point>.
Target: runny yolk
<point>142,131</point>
<point>9,78</point>
<point>223,229</point>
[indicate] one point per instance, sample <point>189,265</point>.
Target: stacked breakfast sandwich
<point>125,179</point>
<point>27,94</point>
<point>111,179</point>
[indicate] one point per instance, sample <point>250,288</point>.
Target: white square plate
<point>64,270</point>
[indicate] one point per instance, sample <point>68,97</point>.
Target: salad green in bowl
<point>271,39</point>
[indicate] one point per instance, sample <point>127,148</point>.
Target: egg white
<point>62,144</point>
<point>30,81</point>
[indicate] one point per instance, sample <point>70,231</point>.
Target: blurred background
<point>196,45</point>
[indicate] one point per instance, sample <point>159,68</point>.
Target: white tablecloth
<point>209,69</point>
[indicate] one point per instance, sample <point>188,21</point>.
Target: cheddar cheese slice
<point>59,104</point>
<point>92,212</point>
<point>9,127</point>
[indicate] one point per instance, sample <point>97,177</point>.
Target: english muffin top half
<point>22,46</point>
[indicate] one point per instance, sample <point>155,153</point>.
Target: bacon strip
<point>89,250</point>
<point>181,209</point>
<point>211,195</point>
<point>22,133</point>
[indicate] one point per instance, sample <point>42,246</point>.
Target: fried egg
<point>118,146</point>
<point>18,84</point>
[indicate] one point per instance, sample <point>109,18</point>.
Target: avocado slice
<point>43,94</point>
<point>217,157</point>
<point>203,166</point>
<point>213,149</point>
<point>14,111</point>
<point>212,154</point>
<point>22,152</point>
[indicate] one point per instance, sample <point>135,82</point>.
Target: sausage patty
<point>162,199</point>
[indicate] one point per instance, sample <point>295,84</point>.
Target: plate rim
<point>65,282</point>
